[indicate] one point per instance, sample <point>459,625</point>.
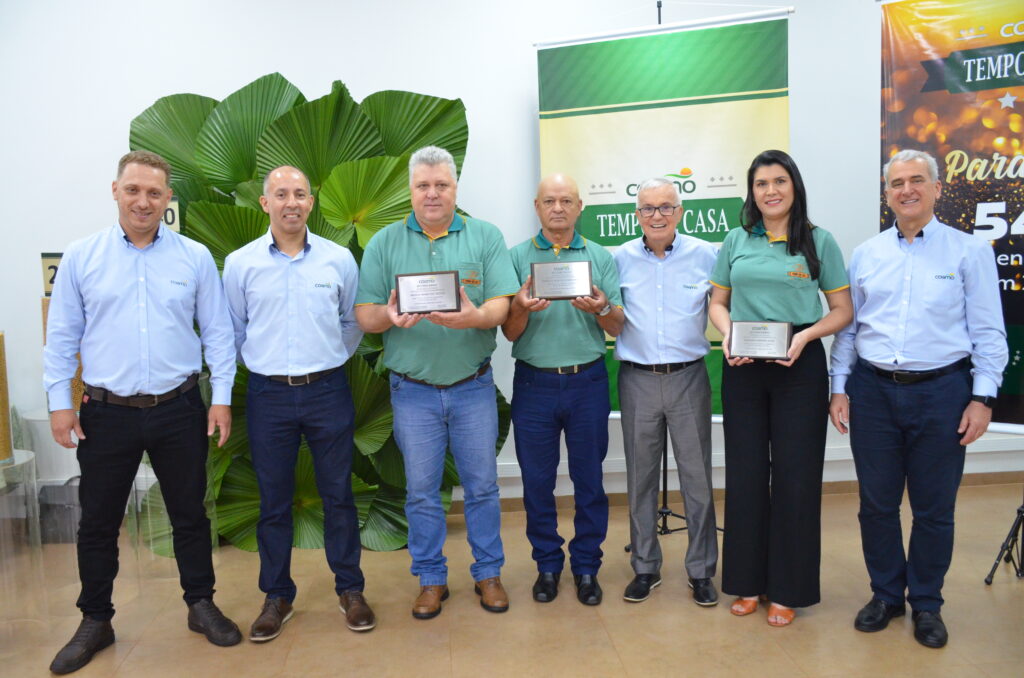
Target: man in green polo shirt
<point>561,384</point>
<point>442,387</point>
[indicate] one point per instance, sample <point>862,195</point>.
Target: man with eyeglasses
<point>663,385</point>
<point>561,386</point>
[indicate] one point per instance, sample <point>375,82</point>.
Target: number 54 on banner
<point>988,223</point>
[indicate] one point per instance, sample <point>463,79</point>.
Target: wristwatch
<point>987,401</point>
<point>608,309</point>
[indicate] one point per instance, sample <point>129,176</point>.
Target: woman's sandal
<point>780,616</point>
<point>741,607</point>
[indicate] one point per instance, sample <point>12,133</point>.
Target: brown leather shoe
<point>428,603</point>
<point>275,612</point>
<point>357,611</point>
<point>492,594</point>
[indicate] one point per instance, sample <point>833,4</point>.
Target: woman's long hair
<point>799,239</point>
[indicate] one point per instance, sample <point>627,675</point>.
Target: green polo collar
<point>458,221</point>
<point>542,243</point>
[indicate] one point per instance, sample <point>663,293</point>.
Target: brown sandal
<point>741,607</point>
<point>779,616</point>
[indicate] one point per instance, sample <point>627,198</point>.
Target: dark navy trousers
<point>904,435</point>
<point>278,417</point>
<point>544,406</point>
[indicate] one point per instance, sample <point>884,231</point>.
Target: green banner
<point>693,105</point>
<point>697,64</point>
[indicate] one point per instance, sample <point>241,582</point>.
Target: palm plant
<point>356,157</point>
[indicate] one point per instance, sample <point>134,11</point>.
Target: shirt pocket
<point>797,273</point>
<point>692,296</point>
<point>941,289</point>
<point>471,277</point>
<point>322,297</point>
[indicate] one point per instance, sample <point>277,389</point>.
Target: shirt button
<point>142,329</point>
<point>142,280</point>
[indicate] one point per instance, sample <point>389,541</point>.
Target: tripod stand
<point>664,512</point>
<point>1011,550</point>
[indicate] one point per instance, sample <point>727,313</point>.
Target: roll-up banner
<point>953,85</point>
<point>694,102</point>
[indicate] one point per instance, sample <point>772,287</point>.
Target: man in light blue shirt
<point>914,377</point>
<point>127,298</point>
<point>663,383</point>
<point>291,295</point>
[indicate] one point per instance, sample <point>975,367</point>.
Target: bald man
<point>291,295</point>
<point>561,385</point>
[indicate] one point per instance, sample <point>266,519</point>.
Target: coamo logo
<point>683,181</point>
<point>945,276</point>
<point>1011,29</point>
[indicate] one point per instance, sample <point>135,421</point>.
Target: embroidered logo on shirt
<point>691,286</point>
<point>180,283</point>
<point>472,277</point>
<point>945,276</point>
<point>325,285</point>
<point>799,271</point>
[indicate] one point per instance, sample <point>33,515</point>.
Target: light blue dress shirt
<point>131,313</point>
<point>665,301</point>
<point>923,305</point>
<point>293,316</point>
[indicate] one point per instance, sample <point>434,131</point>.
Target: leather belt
<point>567,369</point>
<point>302,379</point>
<point>915,377</point>
<point>664,368</point>
<point>480,372</point>
<point>140,399</point>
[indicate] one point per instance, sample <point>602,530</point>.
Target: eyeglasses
<point>666,210</point>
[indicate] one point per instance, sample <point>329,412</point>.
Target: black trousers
<point>775,422</point>
<point>174,435</point>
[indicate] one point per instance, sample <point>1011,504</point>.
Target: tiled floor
<point>665,636</point>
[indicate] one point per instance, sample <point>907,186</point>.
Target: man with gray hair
<point>663,384</point>
<point>442,386</point>
<point>914,378</point>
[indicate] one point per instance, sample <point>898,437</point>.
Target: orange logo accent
<point>798,274</point>
<point>470,281</point>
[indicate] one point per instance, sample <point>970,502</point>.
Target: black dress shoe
<point>876,614</point>
<point>929,629</point>
<point>91,637</point>
<point>704,593</point>
<point>204,617</point>
<point>546,587</point>
<point>639,590</point>
<point>588,591</point>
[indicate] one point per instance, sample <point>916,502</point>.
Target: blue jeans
<point>543,406</point>
<point>278,415</point>
<point>904,435</point>
<point>428,421</point>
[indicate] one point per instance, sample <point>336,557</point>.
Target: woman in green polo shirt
<point>776,411</point>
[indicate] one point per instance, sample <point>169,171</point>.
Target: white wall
<point>76,73</point>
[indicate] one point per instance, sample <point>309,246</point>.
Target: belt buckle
<point>899,375</point>
<point>654,369</point>
<point>156,399</point>
<point>298,383</point>
<point>571,369</point>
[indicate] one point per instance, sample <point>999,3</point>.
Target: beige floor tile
<point>409,651</point>
<point>543,647</point>
<point>666,635</point>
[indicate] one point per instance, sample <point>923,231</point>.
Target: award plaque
<point>428,292</point>
<point>760,340</point>
<point>561,280</point>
